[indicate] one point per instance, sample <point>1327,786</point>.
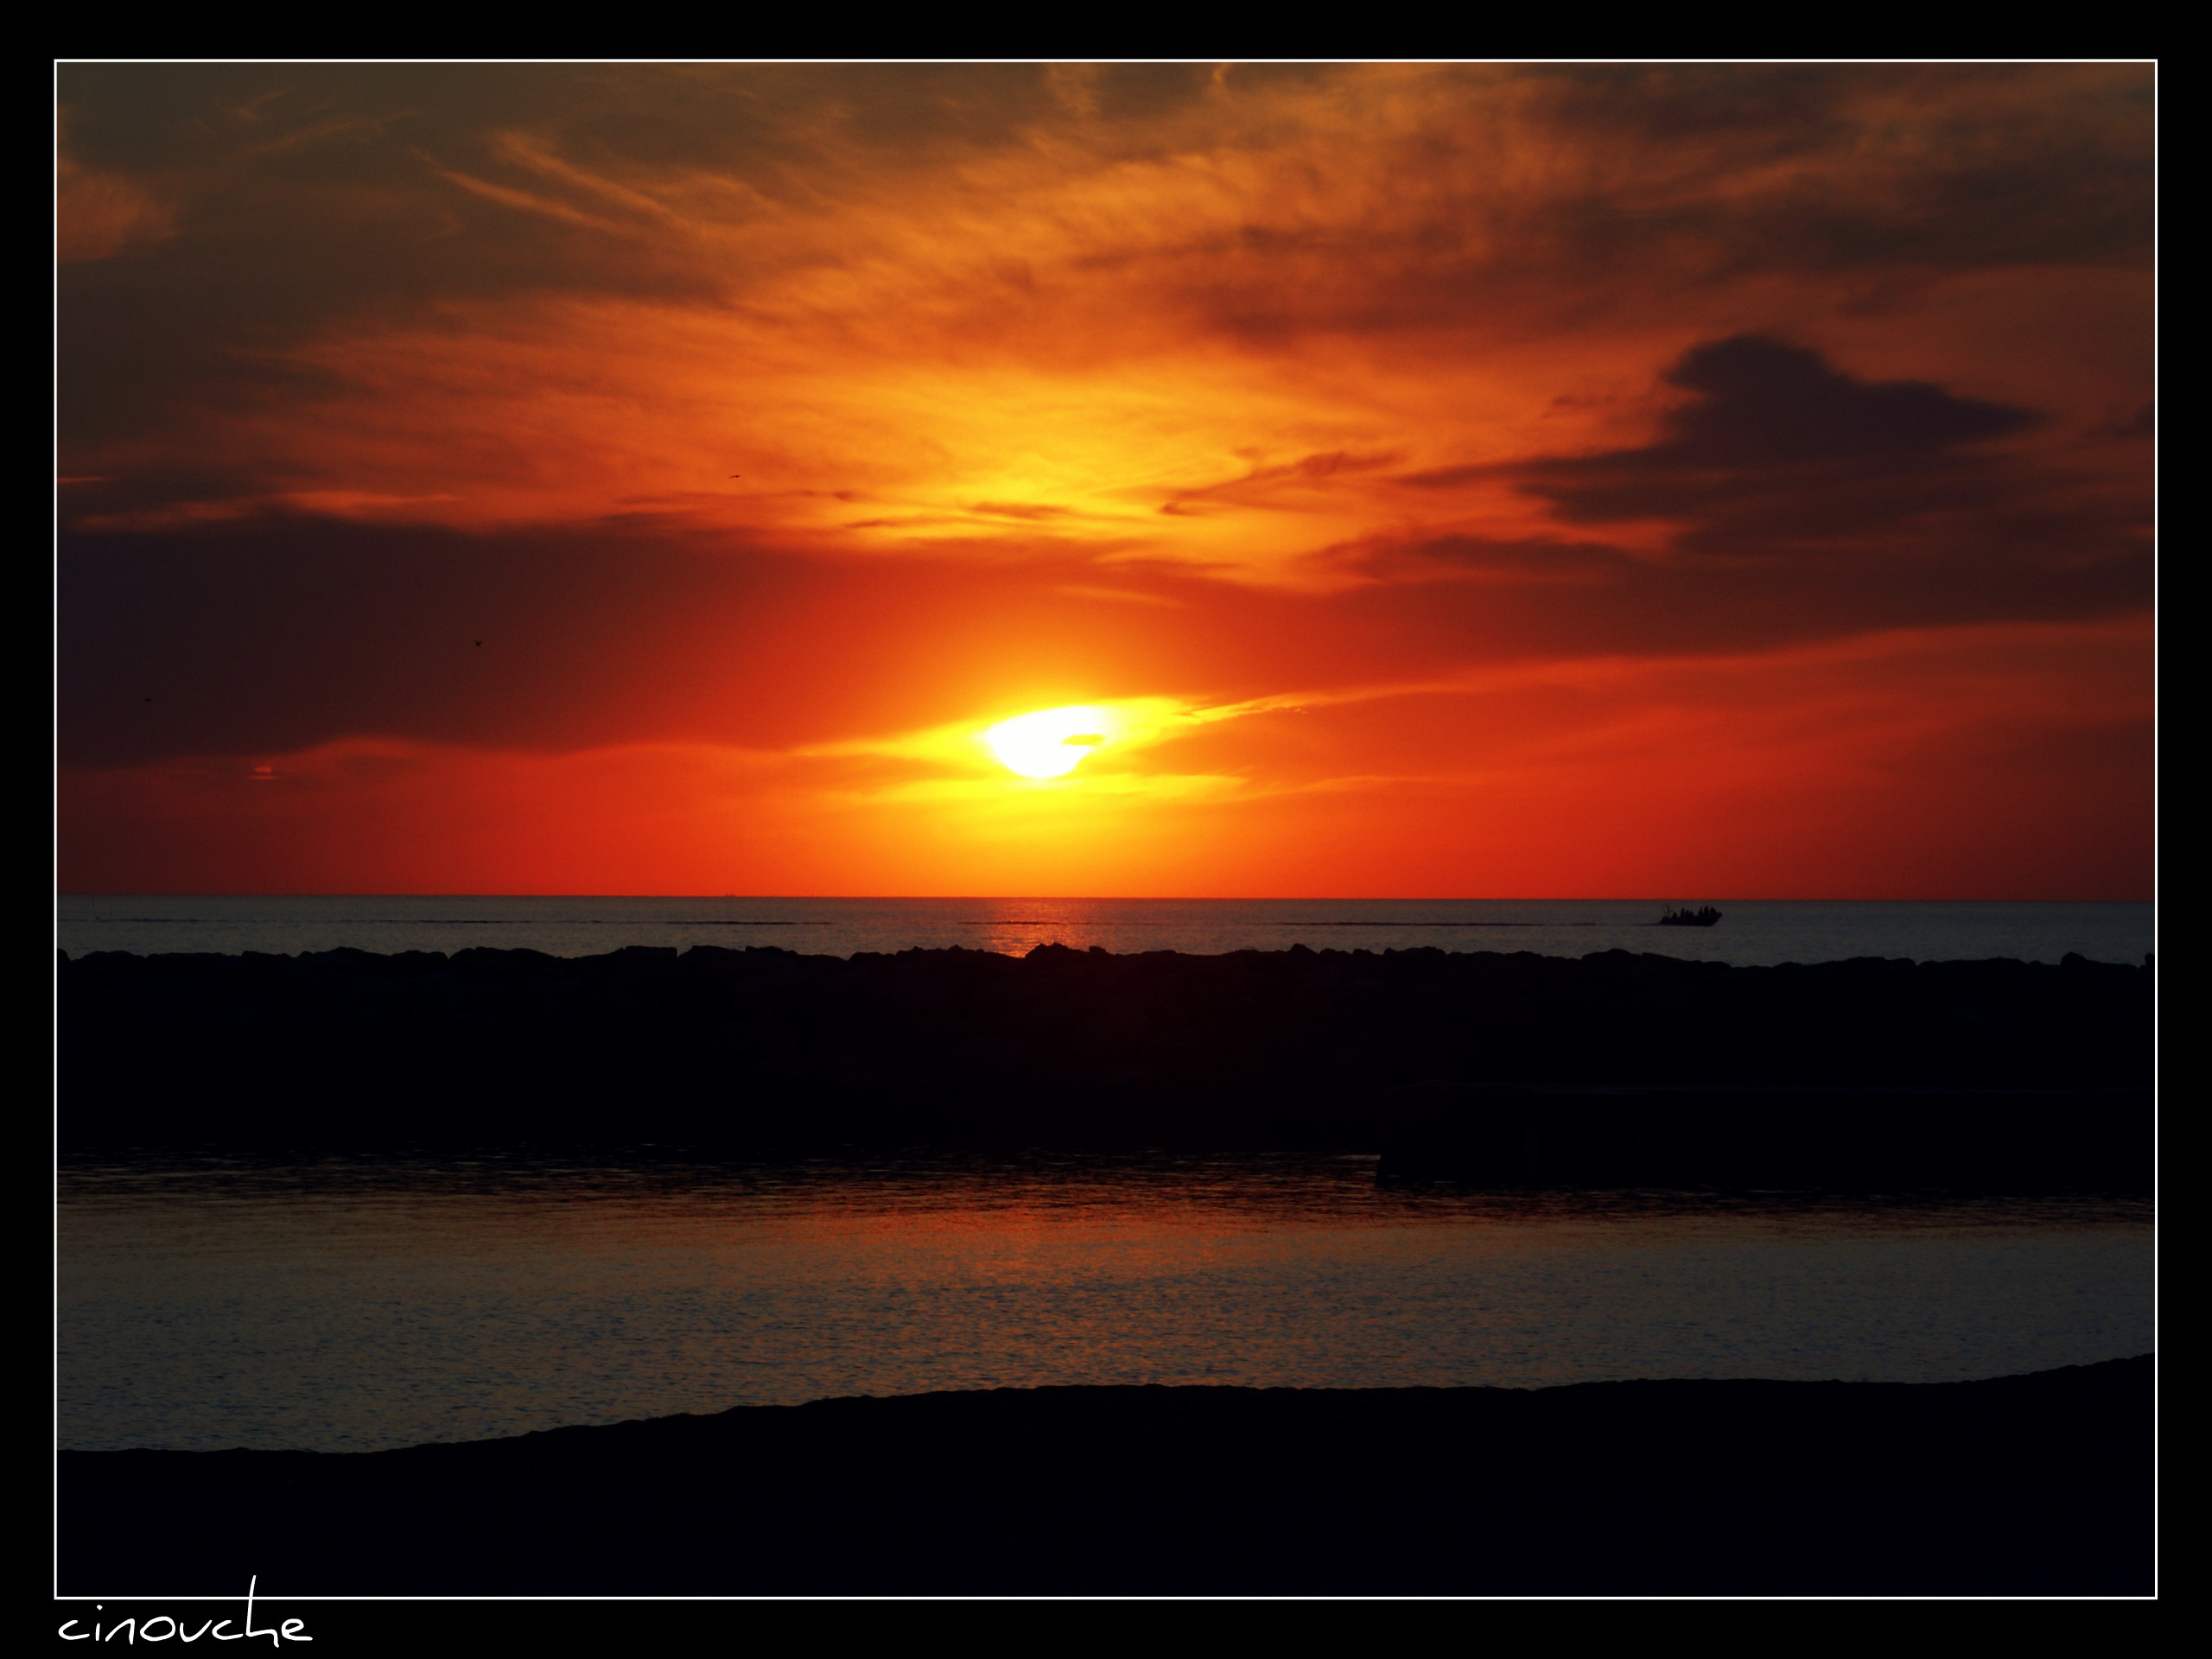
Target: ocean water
<point>1750,932</point>
<point>351,1306</point>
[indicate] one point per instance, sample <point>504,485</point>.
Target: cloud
<point>1781,483</point>
<point>2010,760</point>
<point>96,214</point>
<point>1776,449</point>
<point>1070,385</point>
<point>398,251</point>
<point>1766,403</point>
<point>283,632</point>
<point>1762,407</point>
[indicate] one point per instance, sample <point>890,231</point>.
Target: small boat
<point>1705,918</point>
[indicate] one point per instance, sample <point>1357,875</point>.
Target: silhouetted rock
<point>1989,1140</point>
<point>2027,1485</point>
<point>2044,1069</point>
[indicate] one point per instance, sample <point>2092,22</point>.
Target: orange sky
<point>1438,480</point>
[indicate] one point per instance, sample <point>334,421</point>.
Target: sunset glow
<point>1152,478</point>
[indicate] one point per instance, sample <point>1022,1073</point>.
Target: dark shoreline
<point>2035,1484</point>
<point>1612,1068</point>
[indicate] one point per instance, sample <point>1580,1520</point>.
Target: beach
<point>2028,1485</point>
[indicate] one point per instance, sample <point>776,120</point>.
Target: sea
<point>358,1304</point>
<point>350,1307</point>
<point>1751,932</point>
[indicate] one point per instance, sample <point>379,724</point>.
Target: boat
<point>1687,918</point>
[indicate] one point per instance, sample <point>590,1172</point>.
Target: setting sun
<point>1049,743</point>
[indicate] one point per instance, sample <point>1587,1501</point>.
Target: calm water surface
<point>1751,932</point>
<point>352,1306</point>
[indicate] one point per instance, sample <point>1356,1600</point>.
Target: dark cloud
<point>277,633</point>
<point>765,120</point>
<point>306,194</point>
<point>283,632</point>
<point>1777,452</point>
<point>1883,177</point>
<point>1935,165</point>
<point>1807,503</point>
<point>1763,403</point>
<point>274,635</point>
<point>1146,91</point>
<point>2143,424</point>
<point>1501,600</point>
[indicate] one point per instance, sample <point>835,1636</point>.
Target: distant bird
<point>737,475</point>
<point>479,642</point>
<point>145,699</point>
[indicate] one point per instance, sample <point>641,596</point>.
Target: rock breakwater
<point>1486,1065</point>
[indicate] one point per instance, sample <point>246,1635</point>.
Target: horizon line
<point>1142,899</point>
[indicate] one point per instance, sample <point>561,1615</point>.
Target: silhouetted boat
<point>1705,918</point>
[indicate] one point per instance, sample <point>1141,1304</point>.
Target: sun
<point>1052,742</point>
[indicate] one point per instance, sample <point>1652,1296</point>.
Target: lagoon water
<point>357,1305</point>
<point>1750,932</point>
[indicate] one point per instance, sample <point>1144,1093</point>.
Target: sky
<point>1699,481</point>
